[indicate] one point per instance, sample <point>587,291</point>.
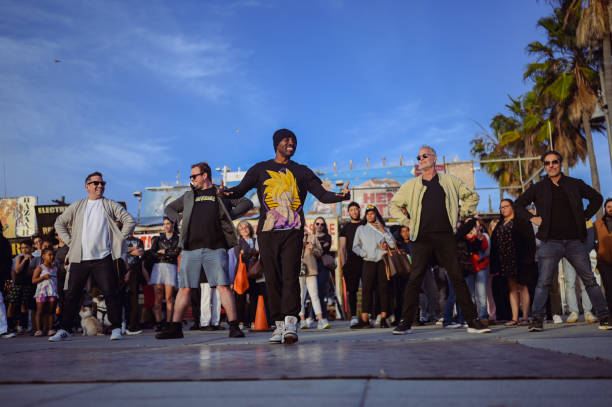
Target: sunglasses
<point>549,163</point>
<point>96,183</point>
<point>194,176</point>
<point>422,157</point>
<point>319,224</point>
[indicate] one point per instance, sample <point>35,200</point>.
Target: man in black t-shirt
<point>350,262</point>
<point>206,234</point>
<point>561,220</point>
<point>282,186</point>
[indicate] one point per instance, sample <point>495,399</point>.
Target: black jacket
<point>170,247</point>
<point>541,195</point>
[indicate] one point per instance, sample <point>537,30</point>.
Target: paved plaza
<point>566,364</point>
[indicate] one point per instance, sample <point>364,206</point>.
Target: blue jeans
<point>478,281</point>
<point>450,305</point>
<point>549,255</point>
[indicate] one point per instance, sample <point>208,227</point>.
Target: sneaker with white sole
<point>134,332</point>
<point>453,325</point>
<point>573,317</point>
<point>557,319</point>
<point>323,324</point>
<point>116,334</point>
<point>8,335</point>
<point>604,324</point>
<point>402,328</point>
<point>277,335</point>
<point>303,324</point>
<point>60,335</point>
<point>590,318</point>
<point>290,332</point>
<point>354,321</point>
<point>477,327</point>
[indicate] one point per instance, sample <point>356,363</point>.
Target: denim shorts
<point>213,261</point>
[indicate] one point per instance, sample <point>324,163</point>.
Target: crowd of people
<point>465,271</point>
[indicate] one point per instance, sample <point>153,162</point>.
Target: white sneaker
<point>277,335</point>
<point>323,324</point>
<point>557,319</point>
<point>573,317</point>
<point>354,321</point>
<point>378,318</point>
<point>116,334</point>
<point>290,331</point>
<point>453,325</point>
<point>311,323</point>
<point>60,335</point>
<point>8,335</point>
<point>590,318</point>
<point>303,324</point>
<point>440,322</point>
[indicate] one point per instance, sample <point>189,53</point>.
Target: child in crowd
<point>45,278</point>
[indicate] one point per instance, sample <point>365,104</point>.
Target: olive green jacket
<point>410,196</point>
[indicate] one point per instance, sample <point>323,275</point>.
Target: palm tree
<point>565,76</point>
<point>594,31</point>
<point>522,134</point>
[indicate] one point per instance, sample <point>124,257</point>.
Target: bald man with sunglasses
<point>561,220</point>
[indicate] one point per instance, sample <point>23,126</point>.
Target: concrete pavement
<point>562,364</point>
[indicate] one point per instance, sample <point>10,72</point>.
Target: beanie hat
<point>281,134</point>
<point>354,204</point>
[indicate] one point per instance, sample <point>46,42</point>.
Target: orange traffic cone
<point>261,322</point>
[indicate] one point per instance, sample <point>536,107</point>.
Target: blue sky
<point>144,89</point>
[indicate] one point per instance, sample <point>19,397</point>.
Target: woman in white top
<point>372,239</point>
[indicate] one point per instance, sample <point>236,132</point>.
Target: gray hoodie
<point>367,240</point>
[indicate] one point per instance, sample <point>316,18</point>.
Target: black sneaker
<point>218,327</point>
<point>234,330</point>
<point>160,326</point>
<point>402,328</point>
<point>536,325</point>
<point>477,327</point>
<point>384,323</point>
<point>173,330</point>
<point>604,324</point>
<point>207,328</point>
<point>362,325</point>
<point>195,327</point>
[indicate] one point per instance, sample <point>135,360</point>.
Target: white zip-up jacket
<point>367,240</point>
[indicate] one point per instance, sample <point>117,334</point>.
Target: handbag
<point>256,270</point>
<point>241,281</point>
<point>396,263</point>
<point>328,261</point>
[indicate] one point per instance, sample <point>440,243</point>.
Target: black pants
<point>130,298</point>
<point>244,303</point>
<point>374,278</point>
<point>106,279</point>
<point>501,297</point>
<point>352,276</point>
<point>554,295</point>
<point>605,271</point>
<point>444,247</point>
<point>280,254</point>
<point>399,285</point>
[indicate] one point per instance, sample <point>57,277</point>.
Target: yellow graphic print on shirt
<point>282,201</point>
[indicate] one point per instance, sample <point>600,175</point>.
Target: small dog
<point>91,326</point>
